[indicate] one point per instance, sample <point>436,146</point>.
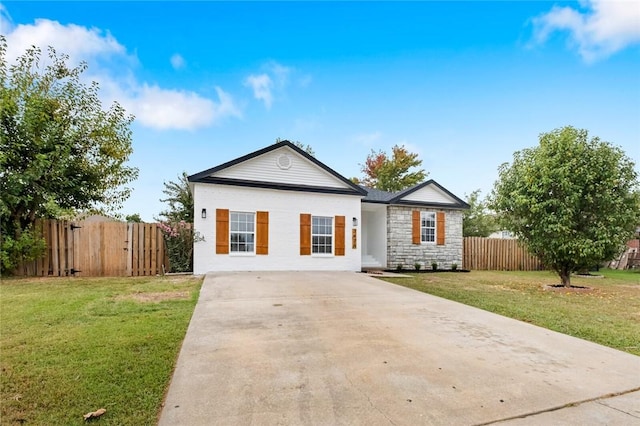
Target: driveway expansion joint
<point>597,399</point>
<point>617,409</point>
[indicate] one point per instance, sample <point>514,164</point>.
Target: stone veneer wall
<point>400,250</point>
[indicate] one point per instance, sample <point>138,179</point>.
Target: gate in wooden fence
<point>494,254</point>
<point>91,249</point>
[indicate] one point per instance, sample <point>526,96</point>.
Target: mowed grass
<point>608,314</point>
<point>69,346</point>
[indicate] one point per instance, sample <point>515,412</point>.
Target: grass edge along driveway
<point>608,313</point>
<point>69,346</point>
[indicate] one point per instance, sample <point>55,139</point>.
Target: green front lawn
<point>69,346</point>
<point>72,345</point>
<point>608,314</point>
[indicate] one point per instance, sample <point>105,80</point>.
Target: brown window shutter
<point>305,234</point>
<point>440,228</point>
<point>222,231</point>
<point>415,230</point>
<point>339,232</point>
<point>262,239</point>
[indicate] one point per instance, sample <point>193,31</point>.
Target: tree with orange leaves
<point>392,174</point>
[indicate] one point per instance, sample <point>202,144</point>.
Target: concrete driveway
<point>325,348</point>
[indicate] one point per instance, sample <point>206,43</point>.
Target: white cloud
<point>177,61</point>
<point>80,43</point>
<point>280,72</point>
<point>607,27</point>
<point>271,82</point>
<point>114,69</point>
<point>261,85</point>
<point>175,109</point>
<point>5,20</point>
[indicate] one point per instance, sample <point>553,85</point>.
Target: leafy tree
<point>574,201</point>
<point>60,151</point>
<point>477,221</point>
<point>392,174</point>
<point>306,148</point>
<point>133,218</point>
<point>180,200</point>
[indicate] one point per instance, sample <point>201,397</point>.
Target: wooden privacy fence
<point>494,254</point>
<point>90,249</point>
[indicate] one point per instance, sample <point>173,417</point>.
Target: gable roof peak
<point>457,202</point>
<point>206,174</point>
<point>246,157</point>
<point>379,196</point>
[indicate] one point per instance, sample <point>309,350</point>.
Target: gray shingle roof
<point>379,196</point>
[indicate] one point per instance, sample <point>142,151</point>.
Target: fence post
<point>129,248</point>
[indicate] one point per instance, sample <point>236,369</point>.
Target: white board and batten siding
<point>429,194</point>
<point>282,165</point>
<point>284,209</point>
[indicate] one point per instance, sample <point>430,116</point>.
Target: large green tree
<point>573,200</point>
<point>392,173</point>
<point>477,221</point>
<point>60,151</point>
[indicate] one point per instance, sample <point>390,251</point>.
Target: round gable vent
<point>284,161</point>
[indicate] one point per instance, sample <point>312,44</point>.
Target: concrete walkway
<point>276,348</point>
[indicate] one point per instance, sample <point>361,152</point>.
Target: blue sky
<point>463,84</point>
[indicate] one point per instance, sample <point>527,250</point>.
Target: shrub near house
<point>179,239</point>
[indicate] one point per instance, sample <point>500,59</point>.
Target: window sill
<point>321,255</point>
<point>241,254</point>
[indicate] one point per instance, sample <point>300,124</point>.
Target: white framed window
<point>427,227</point>
<point>321,235</point>
<point>242,232</point>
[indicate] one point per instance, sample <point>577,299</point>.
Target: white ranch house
<point>281,209</point>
